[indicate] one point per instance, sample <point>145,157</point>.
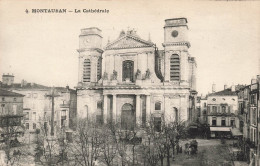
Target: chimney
<point>225,86</point>
<point>213,88</point>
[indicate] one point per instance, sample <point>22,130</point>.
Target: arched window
<point>175,68</point>
<point>157,106</point>
<point>128,70</point>
<point>86,70</point>
<point>99,68</point>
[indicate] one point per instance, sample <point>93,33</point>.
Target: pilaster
<point>105,109</point>
<point>114,108</point>
<point>138,111</point>
<point>148,108</point>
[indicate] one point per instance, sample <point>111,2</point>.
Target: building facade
<point>37,104</point>
<point>202,107</point>
<point>222,114</point>
<point>130,81</point>
<point>11,115</point>
<point>254,122</point>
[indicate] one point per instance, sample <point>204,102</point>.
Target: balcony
<point>221,114</point>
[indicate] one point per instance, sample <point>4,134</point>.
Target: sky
<point>42,48</point>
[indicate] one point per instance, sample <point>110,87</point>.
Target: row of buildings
<point>31,104</point>
<point>234,111</point>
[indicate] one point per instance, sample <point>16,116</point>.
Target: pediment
<point>128,41</point>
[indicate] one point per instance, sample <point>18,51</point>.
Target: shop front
<point>218,132</point>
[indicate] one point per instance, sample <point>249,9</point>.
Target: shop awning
<point>236,132</point>
<point>220,128</point>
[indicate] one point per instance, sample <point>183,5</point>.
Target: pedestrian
<point>180,149</point>
<point>189,150</point>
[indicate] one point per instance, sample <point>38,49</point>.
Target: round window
<point>175,33</point>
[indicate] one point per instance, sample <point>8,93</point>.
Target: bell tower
<point>90,55</point>
<point>176,47</point>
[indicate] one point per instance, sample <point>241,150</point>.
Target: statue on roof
<point>114,76</point>
<point>105,76</point>
<point>147,74</point>
<point>122,33</point>
<point>138,74</point>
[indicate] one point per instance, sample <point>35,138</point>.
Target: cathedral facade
<point>130,81</point>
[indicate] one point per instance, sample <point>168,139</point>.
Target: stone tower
<point>8,79</point>
<point>176,47</point>
<point>90,55</point>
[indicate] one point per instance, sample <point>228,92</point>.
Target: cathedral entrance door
<point>127,117</point>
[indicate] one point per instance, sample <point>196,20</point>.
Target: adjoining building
<point>248,117</point>
<point>11,116</point>
<point>37,107</point>
<point>130,81</point>
<point>222,112</point>
<point>254,122</point>
<point>202,108</point>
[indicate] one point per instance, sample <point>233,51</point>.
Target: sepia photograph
<point>130,83</point>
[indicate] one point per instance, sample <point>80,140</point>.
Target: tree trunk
<point>173,149</point>
<point>168,156</point>
<point>133,155</point>
<point>161,161</point>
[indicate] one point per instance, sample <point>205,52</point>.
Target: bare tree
<point>119,135</point>
<point>153,146</point>
<point>163,139</point>
<point>86,147</point>
<point>11,130</point>
<point>47,147</point>
<point>109,145</point>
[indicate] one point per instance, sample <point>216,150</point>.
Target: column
<point>114,108</point>
<point>148,108</point>
<point>105,113</point>
<point>138,111</point>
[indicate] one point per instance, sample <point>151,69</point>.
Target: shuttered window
<point>86,70</point>
<point>175,68</point>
